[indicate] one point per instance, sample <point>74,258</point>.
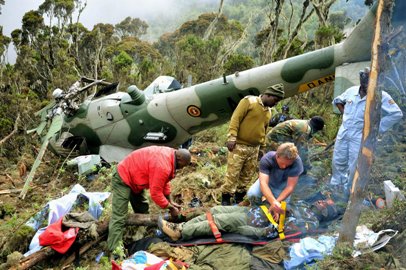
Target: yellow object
<point>282,221</point>
<point>282,216</point>
<point>268,215</point>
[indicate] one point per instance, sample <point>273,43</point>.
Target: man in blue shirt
<point>278,175</point>
<point>351,104</point>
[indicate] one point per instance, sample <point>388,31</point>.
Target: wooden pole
<point>371,127</point>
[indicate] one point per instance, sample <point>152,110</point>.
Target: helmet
<point>57,93</point>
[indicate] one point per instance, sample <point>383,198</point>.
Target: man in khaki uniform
<point>246,134</point>
<point>296,131</point>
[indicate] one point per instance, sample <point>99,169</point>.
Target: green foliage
<point>147,61</point>
<point>238,62</point>
<point>7,209</point>
<point>107,74</point>
<point>391,218</point>
<point>325,34</point>
<point>262,37</point>
<point>18,238</point>
<point>4,42</point>
<point>339,19</point>
<point>131,27</point>
<point>122,61</point>
<point>342,251</point>
<point>57,8</point>
<point>194,54</point>
<point>21,238</point>
<point>32,22</point>
<point>196,57</point>
<point>82,268</point>
<point>217,135</point>
<point>16,37</point>
<point>119,251</point>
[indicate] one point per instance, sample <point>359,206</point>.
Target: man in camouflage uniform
<point>252,221</point>
<point>298,132</point>
<point>246,134</point>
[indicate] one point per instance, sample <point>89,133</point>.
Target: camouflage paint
<point>141,122</point>
<point>294,69</point>
<point>221,99</point>
<point>87,132</point>
<point>114,121</point>
<point>81,113</point>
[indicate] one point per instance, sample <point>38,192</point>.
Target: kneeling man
<point>278,175</point>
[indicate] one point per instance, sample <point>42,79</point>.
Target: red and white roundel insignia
<point>193,111</point>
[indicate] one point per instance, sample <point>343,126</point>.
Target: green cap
<point>276,90</point>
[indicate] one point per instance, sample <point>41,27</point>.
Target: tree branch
<point>13,132</point>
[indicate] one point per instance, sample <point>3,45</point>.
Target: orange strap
<point>213,227</point>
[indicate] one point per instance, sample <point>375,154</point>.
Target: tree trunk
<point>371,127</point>
<point>272,40</point>
<point>102,230</point>
<point>213,24</point>
<point>302,19</point>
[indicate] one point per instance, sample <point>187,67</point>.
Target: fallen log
<point>82,250</point>
<point>102,230</point>
<point>33,259</point>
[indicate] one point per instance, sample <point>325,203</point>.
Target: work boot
<point>173,230</point>
<point>239,197</point>
<point>225,199</point>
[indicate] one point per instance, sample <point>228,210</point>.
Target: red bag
<point>58,240</point>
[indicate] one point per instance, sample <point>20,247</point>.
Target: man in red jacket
<point>146,168</point>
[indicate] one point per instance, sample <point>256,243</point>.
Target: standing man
<point>278,175</point>
<point>147,168</point>
<point>351,104</point>
<point>298,132</point>
<point>246,134</point>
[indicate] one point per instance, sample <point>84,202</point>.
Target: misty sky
<point>105,11</point>
<point>97,11</point>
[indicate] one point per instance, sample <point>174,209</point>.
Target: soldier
<point>278,175</point>
<point>246,134</point>
<point>147,168</point>
<point>351,104</point>
<point>280,117</point>
<point>253,222</point>
<point>298,132</point>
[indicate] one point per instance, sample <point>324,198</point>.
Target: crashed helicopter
<point>112,123</point>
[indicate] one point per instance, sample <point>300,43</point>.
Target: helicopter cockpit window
<point>162,84</point>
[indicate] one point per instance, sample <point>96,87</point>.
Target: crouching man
<point>147,168</point>
<point>278,175</point>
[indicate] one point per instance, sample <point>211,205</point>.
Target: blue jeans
<point>254,193</point>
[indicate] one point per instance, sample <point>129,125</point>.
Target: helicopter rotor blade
<point>55,126</point>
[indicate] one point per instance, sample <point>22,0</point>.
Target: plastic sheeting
<point>308,250</point>
<point>56,209</point>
